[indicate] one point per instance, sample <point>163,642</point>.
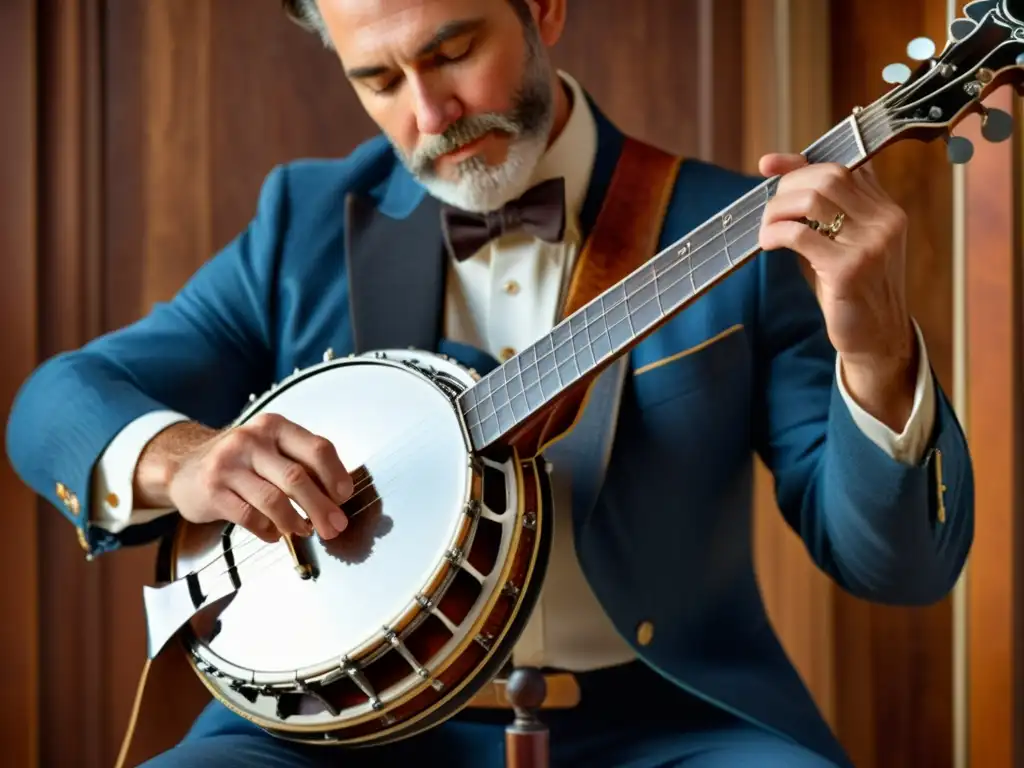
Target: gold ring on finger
<point>835,227</point>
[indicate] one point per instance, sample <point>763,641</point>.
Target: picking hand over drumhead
<point>248,475</point>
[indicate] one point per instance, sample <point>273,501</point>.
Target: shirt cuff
<point>909,445</point>
<point>113,478</point>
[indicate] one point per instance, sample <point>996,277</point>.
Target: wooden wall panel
<point>894,665</point>
<point>995,423</point>
<point>787,85</point>
<point>682,92</point>
<point>19,566</point>
<point>70,313</point>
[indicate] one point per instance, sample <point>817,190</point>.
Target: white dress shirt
<point>501,300</point>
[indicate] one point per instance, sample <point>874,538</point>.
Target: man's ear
<point>549,16</point>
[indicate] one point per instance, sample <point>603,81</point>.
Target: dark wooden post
<point>526,739</point>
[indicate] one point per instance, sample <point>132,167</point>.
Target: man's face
<point>462,88</point>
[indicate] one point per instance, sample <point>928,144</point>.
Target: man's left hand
<point>860,274</point>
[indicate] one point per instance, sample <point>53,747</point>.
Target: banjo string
<point>871,123</point>
<point>390,452</point>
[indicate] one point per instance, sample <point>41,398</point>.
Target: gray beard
<point>482,187</point>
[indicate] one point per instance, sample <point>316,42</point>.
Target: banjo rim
<point>409,618</point>
<point>401,729</point>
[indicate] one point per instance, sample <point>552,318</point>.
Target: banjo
<point>392,627</point>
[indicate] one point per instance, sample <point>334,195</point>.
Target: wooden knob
<point>526,690</point>
<point>526,739</point>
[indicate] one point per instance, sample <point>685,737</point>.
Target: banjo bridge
<point>303,567</point>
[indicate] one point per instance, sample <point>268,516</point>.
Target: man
<point>652,599</point>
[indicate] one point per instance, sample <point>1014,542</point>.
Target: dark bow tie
<point>540,212</point>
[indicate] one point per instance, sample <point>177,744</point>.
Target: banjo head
<point>429,573</point>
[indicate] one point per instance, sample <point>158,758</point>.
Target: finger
<point>271,502</point>
<point>235,509</point>
<point>319,456</point>
<point>798,205</point>
<point>779,163</point>
<point>834,183</point>
<point>291,476</point>
<point>801,239</point>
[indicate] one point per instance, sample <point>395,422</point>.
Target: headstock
<point>985,51</point>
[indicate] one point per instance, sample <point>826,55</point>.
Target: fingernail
<point>338,520</point>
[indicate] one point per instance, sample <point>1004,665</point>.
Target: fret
<point>597,329</point>
<point>585,358</point>
<point>844,144</point>
<point>746,238</point>
<point>644,303</point>
<point>710,265</point>
<point>566,367</point>
<point>614,321</point>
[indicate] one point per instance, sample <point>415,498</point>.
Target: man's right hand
<point>248,475</point>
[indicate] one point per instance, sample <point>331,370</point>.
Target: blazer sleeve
<point>199,354</point>
<point>884,530</point>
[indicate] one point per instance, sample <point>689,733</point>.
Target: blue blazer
<point>348,254</point>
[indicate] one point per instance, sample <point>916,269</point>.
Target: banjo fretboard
<point>614,322</point>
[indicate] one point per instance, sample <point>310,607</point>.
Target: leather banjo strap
<point>624,237</point>
<point>628,226</point>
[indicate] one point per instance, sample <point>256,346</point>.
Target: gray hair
<point>306,14</point>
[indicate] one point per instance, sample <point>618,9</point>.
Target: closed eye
<point>442,58</point>
<point>453,43</point>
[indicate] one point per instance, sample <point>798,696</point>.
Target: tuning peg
<point>977,10</point>
<point>996,125</point>
<point>961,28</point>
<point>896,73</point>
<point>959,150</point>
<point>1020,60</point>
<point>921,48</point>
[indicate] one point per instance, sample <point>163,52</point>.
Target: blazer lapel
<point>396,273</point>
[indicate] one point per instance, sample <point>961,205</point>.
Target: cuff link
<point>69,499</point>
<point>940,488</point>
<point>83,542</point>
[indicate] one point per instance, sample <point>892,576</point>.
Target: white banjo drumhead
<point>405,432</point>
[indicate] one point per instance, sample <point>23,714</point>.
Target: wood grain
<point>72,683</point>
<point>787,84</point>
<point>894,665</point>
<point>995,402</point>
<point>19,217</point>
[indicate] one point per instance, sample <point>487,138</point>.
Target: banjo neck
<point>513,395</point>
